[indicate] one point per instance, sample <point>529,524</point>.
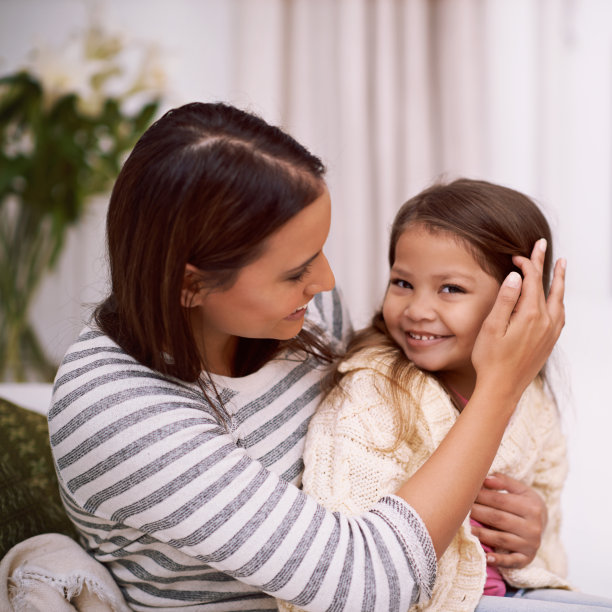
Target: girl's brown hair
<point>205,185</point>
<point>493,221</point>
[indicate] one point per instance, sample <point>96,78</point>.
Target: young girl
<point>405,380</point>
<point>179,414</point>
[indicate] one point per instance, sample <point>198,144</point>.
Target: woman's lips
<point>298,313</point>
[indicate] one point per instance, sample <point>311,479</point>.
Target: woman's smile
<point>298,313</point>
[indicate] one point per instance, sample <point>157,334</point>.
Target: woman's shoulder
<point>328,313</point>
<point>96,370</point>
<point>93,350</point>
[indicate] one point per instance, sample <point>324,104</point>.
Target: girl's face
<point>270,295</point>
<point>437,299</point>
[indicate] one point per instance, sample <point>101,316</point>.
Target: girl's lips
<point>423,335</point>
<point>421,339</point>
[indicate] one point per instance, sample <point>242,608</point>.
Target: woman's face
<point>270,295</point>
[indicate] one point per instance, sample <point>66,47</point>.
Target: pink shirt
<point>494,584</point>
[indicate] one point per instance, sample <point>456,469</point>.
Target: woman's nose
<point>322,278</point>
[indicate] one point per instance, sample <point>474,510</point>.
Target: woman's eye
<point>452,289</point>
<point>296,278</point>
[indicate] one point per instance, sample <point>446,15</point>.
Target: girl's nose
<point>322,277</point>
<point>418,308</point>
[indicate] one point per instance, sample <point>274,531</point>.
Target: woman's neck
<point>217,350</point>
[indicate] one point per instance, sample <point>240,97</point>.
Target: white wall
<point>566,108</point>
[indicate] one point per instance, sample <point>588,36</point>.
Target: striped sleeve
<point>145,466</point>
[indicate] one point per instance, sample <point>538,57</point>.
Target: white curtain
<point>389,92</point>
<point>392,94</point>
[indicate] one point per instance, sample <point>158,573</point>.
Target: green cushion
<point>29,496</point>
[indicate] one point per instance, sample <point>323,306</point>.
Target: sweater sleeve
<point>143,463</point>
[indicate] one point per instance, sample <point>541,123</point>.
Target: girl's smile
<point>423,339</point>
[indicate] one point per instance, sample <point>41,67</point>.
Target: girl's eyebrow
<point>452,274</point>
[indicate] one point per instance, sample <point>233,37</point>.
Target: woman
<point>179,415</point>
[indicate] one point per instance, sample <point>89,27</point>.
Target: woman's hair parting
<point>492,221</point>
<point>205,185</point>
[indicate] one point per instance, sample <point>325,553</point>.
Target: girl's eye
<point>402,284</point>
<point>452,289</point>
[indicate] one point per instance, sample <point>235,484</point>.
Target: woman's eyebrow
<point>303,265</point>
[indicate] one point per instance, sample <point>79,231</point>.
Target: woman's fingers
<point>523,326</point>
<point>513,517</point>
<point>556,294</point>
<point>497,321</point>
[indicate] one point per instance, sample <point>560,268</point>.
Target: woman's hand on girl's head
<point>520,332</point>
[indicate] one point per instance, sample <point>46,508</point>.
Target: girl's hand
<point>520,332</point>
<point>513,518</point>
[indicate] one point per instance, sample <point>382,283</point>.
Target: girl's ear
<point>192,292</point>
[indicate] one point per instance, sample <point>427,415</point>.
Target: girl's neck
<point>461,401</point>
<point>460,387</point>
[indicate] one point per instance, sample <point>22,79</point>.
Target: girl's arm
<point>515,341</point>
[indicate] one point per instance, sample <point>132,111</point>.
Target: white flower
<point>97,66</point>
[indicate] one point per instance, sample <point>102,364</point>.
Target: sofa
<point>42,565</point>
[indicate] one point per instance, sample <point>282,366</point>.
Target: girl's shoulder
<point>370,377</point>
<point>536,406</point>
<point>382,362</point>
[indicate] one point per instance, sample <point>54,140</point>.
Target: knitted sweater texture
<point>189,510</point>
<point>349,467</point>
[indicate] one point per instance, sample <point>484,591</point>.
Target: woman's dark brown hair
<point>206,185</point>
<point>492,221</point>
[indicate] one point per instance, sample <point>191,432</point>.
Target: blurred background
<point>392,94</point>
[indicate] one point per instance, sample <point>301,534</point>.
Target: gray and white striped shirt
<point>191,511</point>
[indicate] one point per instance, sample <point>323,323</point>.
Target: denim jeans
<point>544,600</point>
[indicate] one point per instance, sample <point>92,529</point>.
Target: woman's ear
<point>191,293</point>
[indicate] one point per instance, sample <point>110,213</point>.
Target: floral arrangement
<point>66,122</point>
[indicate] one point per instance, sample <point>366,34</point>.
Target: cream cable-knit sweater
<point>346,470</point>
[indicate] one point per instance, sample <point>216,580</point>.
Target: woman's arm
<point>149,472</point>
<point>513,345</point>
